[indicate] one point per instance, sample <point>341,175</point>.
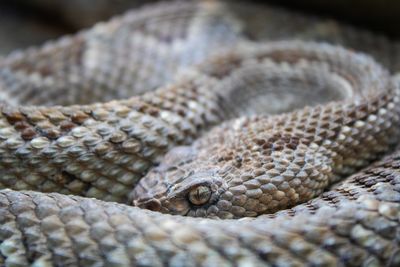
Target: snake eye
<point>199,195</point>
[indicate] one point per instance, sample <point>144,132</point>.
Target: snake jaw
<point>149,204</point>
<point>175,206</point>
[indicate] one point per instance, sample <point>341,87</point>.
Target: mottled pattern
<point>128,55</point>
<point>357,223</point>
<point>198,140</point>
<point>261,164</point>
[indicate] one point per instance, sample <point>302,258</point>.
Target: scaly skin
<point>357,223</point>
<point>263,164</point>
<point>247,166</point>
<point>101,150</point>
<point>126,56</point>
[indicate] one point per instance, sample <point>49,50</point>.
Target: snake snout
<point>149,204</point>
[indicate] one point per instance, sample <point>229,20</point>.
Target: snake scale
<point>280,153</point>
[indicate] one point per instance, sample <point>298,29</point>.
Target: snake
<point>168,137</point>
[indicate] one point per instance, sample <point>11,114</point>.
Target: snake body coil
<point>208,144</point>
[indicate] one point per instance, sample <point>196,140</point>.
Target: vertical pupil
<point>198,194</point>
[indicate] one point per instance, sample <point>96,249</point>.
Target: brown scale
<point>28,133</point>
<point>12,114</point>
<point>51,133</point>
<point>20,123</point>
<point>67,126</point>
<point>79,118</point>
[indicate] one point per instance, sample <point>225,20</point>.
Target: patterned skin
<point>261,164</point>
<point>202,141</point>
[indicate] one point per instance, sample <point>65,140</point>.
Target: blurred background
<point>376,15</point>
<point>30,22</point>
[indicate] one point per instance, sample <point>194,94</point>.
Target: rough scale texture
<point>166,150</point>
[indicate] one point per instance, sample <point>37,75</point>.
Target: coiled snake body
<point>205,145</point>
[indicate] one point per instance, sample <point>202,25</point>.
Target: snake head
<point>174,188</point>
<point>179,194</point>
